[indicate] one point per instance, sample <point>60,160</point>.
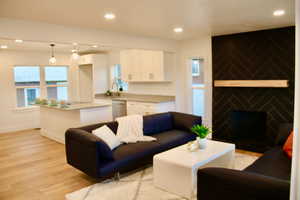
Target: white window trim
<point>45,86</point>
<point>196,73</point>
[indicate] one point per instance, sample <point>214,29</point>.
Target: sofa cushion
<point>288,145</point>
<point>157,123</point>
<point>107,136</point>
<point>133,150</point>
<point>273,163</point>
<point>184,121</point>
<point>128,156</point>
<point>173,138</point>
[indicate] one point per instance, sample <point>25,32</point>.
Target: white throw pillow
<point>107,136</point>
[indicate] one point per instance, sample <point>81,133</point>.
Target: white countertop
<point>78,106</point>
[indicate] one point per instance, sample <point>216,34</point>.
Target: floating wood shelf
<point>252,83</point>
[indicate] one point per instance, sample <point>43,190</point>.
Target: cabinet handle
<point>129,76</point>
<point>151,76</point>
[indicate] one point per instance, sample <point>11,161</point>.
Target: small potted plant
<point>37,101</point>
<point>201,131</point>
<point>53,103</point>
<point>44,102</point>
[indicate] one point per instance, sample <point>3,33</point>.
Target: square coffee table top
<point>183,157</point>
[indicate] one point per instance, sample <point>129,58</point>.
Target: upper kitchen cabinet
<point>86,59</point>
<point>146,65</point>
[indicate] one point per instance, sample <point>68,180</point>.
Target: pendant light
<point>75,54</point>
<point>52,60</point>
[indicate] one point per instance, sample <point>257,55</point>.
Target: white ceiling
<point>156,18</point>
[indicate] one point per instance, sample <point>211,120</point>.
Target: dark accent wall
<point>259,55</point>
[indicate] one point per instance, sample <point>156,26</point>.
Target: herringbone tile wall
<point>260,55</point>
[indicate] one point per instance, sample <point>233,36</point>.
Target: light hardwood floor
<point>33,167</point>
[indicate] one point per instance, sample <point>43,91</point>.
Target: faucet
<point>115,83</point>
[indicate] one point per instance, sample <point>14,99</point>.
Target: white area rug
<point>138,186</point>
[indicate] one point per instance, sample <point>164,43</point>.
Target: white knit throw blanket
<point>130,129</point>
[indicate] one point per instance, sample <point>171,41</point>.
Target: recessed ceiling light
<point>278,12</point>
<point>178,30</point>
<point>109,16</point>
<point>3,46</point>
<point>75,43</point>
<point>73,50</point>
<point>95,46</point>
<point>18,41</point>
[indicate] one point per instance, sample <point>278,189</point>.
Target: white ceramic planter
<point>202,142</point>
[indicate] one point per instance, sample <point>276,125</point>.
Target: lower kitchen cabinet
<point>143,108</point>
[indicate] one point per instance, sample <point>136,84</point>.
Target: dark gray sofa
<point>267,178</point>
<point>92,156</point>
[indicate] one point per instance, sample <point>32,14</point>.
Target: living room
<point>191,63</point>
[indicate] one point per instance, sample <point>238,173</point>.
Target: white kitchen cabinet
<point>86,59</point>
<point>146,65</point>
<point>142,108</point>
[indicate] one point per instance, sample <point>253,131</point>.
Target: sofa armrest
<point>86,152</point>
<point>185,121</point>
<point>221,183</point>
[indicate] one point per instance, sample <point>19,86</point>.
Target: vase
<point>202,142</point>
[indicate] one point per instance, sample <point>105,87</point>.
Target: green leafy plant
<point>201,131</point>
<point>37,101</point>
<point>44,102</point>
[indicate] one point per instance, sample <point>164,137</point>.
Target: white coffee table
<point>176,170</point>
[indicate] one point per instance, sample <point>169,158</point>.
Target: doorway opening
<point>198,86</point>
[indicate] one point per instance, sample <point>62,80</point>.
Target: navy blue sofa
<point>92,156</point>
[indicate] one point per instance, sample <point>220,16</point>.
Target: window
<point>56,78</point>
<point>27,82</point>
<point>117,78</point>
<point>30,83</point>
<point>195,67</point>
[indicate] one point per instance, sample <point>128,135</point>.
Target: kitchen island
<point>56,120</point>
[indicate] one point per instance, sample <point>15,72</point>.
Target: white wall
<point>201,48</point>
<point>13,119</point>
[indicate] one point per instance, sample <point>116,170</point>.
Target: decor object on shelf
<point>193,146</point>
<point>252,83</point>
<point>201,131</point>
<point>44,102</point>
<point>53,103</point>
<point>63,104</point>
<point>52,60</point>
<point>37,101</point>
<point>108,93</point>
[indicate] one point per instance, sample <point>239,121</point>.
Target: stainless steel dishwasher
<point>118,108</point>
